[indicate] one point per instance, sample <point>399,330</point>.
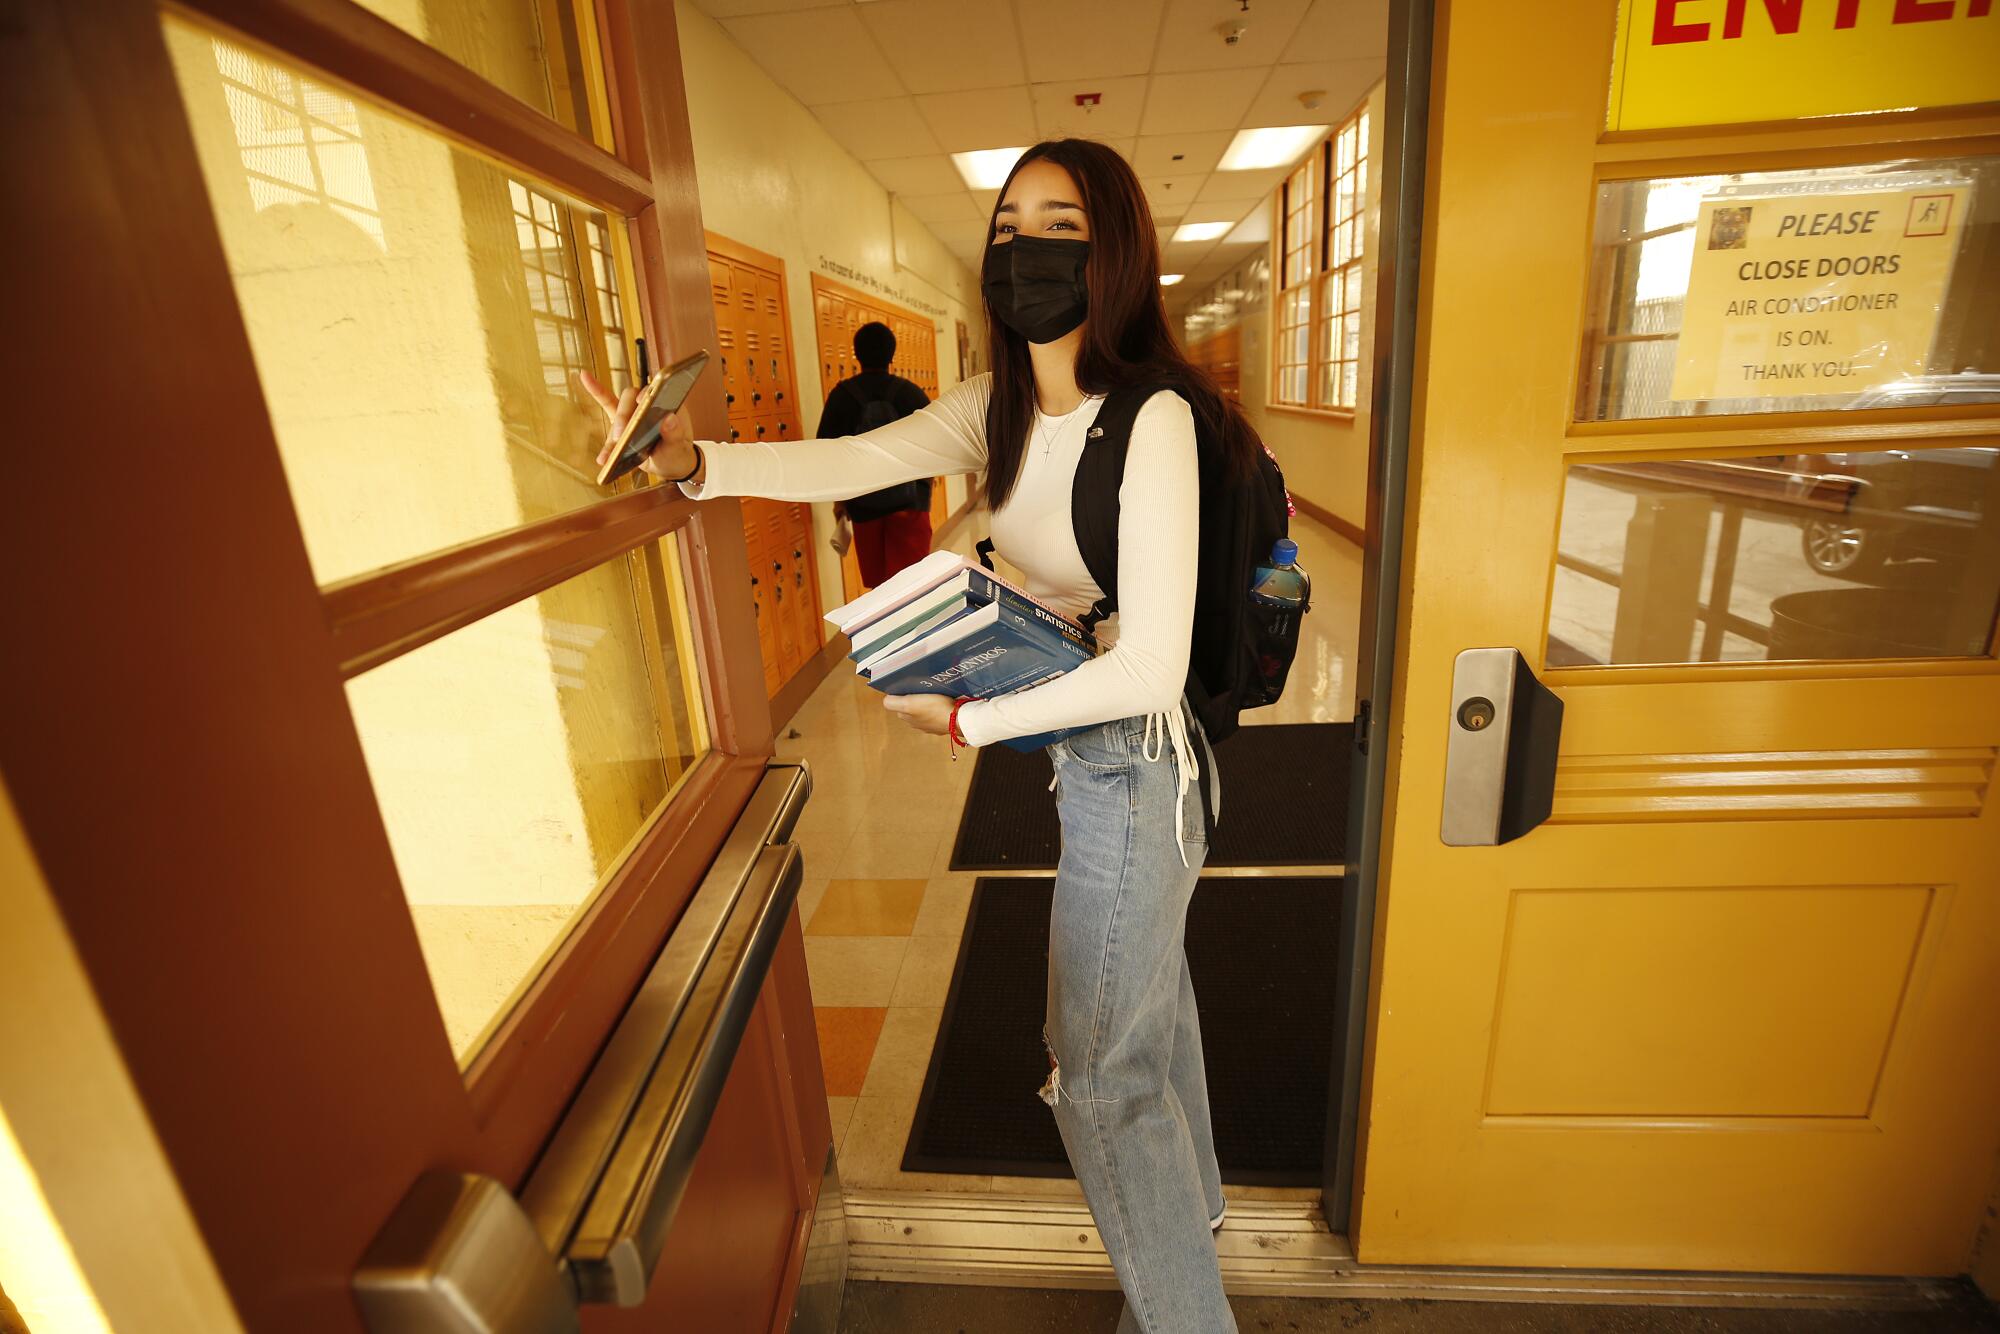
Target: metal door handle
<point>462,1256</point>
<point>1500,762</point>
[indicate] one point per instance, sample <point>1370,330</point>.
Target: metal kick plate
<point>1475,758</point>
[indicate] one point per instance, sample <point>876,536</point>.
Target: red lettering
<point>1666,32</point>
<point>1785,16</point>
<point>1844,16</point>
<point>1921,11</point>
<point>1979,9</point>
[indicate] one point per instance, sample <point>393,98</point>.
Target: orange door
<point>1735,1004</point>
<point>439,743</point>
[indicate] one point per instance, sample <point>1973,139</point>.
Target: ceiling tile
<point>1065,39</point>
<point>985,201</point>
<point>729,9</point>
<point>1344,83</point>
<point>1184,256</point>
<point>1255,229</point>
<point>931,174</point>
<point>1231,211</point>
<point>938,46</point>
<point>1226,185</point>
<point>980,118</point>
<point>1168,212</point>
<point>1171,191</point>
<point>1198,152</point>
<point>1191,35</point>
<point>816,55</point>
<point>957,206</point>
<point>887,127</point>
<point>1342,30</point>
<point>1115,118</point>
<point>1206,100</point>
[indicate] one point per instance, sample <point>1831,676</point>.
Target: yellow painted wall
<point>771,177</point>
<point>1325,458</point>
<point>94,1232</point>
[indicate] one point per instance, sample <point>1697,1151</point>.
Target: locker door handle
<point>756,398</point>
<point>734,433</point>
<point>760,430</point>
<point>1500,760</point>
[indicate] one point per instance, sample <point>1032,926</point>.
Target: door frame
<point>1399,249</point>
<point>243,768</point>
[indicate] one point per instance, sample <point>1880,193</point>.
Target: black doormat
<point>1284,803</point>
<point>1262,953</point>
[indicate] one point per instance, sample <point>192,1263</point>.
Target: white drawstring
<point>1162,728</point>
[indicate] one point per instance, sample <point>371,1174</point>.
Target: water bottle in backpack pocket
<point>1280,594</point>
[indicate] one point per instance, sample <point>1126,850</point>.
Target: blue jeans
<point>1126,1078</point>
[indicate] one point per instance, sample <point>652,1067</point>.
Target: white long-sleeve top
<point>1145,668</point>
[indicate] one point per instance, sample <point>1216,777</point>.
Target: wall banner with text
<point>1727,62</point>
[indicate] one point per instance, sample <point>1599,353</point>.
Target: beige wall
<point>1325,457</point>
<point>94,1232</point>
<point>771,177</point>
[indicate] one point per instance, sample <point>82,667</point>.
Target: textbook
<point>947,626</point>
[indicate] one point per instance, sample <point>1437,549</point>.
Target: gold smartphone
<point>664,393</point>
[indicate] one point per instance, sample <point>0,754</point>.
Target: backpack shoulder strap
<point>1093,497</point>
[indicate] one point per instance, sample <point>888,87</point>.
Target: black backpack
<point>880,411</point>
<point>1241,650</point>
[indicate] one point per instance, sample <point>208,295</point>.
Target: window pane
<point>1350,374</point>
<point>416,312</point>
<point>515,761</point>
<point>1883,554</point>
<point>529,48</point>
<point>1353,280</point>
<point>1793,291</point>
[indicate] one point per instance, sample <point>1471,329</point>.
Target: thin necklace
<point>1049,436</point>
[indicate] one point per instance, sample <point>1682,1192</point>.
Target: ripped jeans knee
<point>1053,1092</point>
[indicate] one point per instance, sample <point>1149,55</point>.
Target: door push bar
<point>1500,763</point>
<point>462,1256</point>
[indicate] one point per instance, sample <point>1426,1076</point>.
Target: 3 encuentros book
<point>947,626</point>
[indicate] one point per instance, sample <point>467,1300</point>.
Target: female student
<point>1071,280</point>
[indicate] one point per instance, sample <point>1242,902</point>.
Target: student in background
<point>892,527</point>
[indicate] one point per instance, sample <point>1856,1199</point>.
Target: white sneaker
<point>1215,1223</point>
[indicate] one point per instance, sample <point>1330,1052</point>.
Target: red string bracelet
<point>956,737</point>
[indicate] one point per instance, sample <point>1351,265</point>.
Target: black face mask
<point>1035,285</point>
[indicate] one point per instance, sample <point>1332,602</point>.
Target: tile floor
<point>883,912</point>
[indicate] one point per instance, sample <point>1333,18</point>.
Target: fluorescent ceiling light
<point>1201,231</point>
<point>1169,279</point>
<point>987,168</point>
<point>1271,146</point>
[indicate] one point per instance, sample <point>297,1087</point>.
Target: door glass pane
<point>1884,553</point>
<point>533,49</point>
<point>516,760</point>
<point>416,312</point>
<point>1789,291</point>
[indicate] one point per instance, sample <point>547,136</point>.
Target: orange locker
<point>753,340</point>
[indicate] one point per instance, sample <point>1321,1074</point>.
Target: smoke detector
<point>1312,100</point>
<point>1232,31</point>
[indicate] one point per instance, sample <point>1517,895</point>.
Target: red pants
<point>894,542</point>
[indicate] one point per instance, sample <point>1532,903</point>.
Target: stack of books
<point>948,626</point>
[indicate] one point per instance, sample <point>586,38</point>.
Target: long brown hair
<point>1126,337</point>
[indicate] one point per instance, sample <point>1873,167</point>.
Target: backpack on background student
<point>880,411</point>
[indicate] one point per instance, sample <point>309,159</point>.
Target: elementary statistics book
<point>947,626</point>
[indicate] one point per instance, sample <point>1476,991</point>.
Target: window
<point>1323,207</point>
<point>1300,246</point>
<point>418,314</point>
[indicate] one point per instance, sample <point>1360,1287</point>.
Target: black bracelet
<point>698,461</point>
